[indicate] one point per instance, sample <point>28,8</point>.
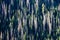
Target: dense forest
<point>29,19</point>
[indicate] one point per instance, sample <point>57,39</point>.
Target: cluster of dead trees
<point>29,20</point>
